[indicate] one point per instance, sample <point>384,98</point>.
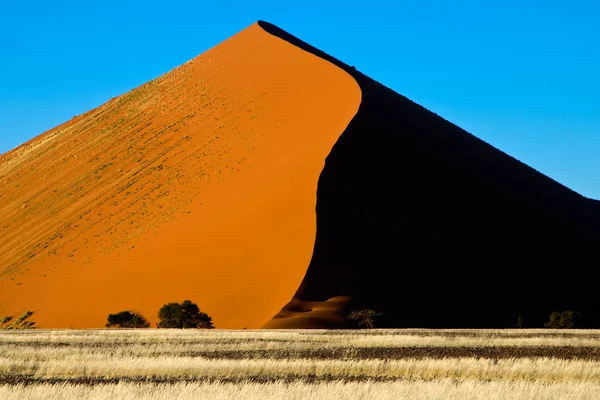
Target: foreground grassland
<point>378,364</point>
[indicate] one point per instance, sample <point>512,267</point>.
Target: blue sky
<point>523,76</point>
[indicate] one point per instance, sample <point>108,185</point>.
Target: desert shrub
<point>183,316</point>
<point>4,320</point>
<point>21,322</point>
<point>23,317</point>
<point>127,319</point>
<point>27,325</point>
<point>562,320</point>
<point>365,319</point>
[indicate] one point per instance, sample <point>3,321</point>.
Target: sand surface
<point>432,227</point>
<point>200,185</point>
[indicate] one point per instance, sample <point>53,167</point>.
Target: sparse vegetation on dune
<point>22,322</point>
<point>140,364</point>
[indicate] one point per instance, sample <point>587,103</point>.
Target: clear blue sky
<point>522,75</point>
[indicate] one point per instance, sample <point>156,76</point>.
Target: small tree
<point>365,319</point>
<point>520,320</point>
<point>127,319</point>
<point>562,320</point>
<point>184,315</point>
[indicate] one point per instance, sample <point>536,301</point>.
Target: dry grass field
<point>376,364</point>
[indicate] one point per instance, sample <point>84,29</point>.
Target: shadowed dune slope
<point>433,227</point>
<point>200,185</point>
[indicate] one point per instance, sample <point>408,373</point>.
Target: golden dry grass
<point>445,389</point>
<point>141,364</point>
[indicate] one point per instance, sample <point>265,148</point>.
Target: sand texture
<point>203,184</point>
<point>429,225</point>
<point>200,185</point>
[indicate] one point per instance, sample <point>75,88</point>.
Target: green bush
<point>562,320</point>
<point>184,315</point>
<point>365,319</point>
<point>4,320</point>
<point>127,319</point>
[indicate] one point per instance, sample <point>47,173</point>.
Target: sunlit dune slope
<point>427,224</point>
<point>203,185</point>
<point>200,185</point>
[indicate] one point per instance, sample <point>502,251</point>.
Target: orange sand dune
<point>432,227</point>
<point>200,185</point>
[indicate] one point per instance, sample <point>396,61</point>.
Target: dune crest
<point>429,225</point>
<point>200,184</point>
<point>203,184</point>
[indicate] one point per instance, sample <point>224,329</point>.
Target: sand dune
<point>433,227</point>
<point>200,184</point>
<point>203,184</point>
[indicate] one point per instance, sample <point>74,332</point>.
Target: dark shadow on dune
<point>430,225</point>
